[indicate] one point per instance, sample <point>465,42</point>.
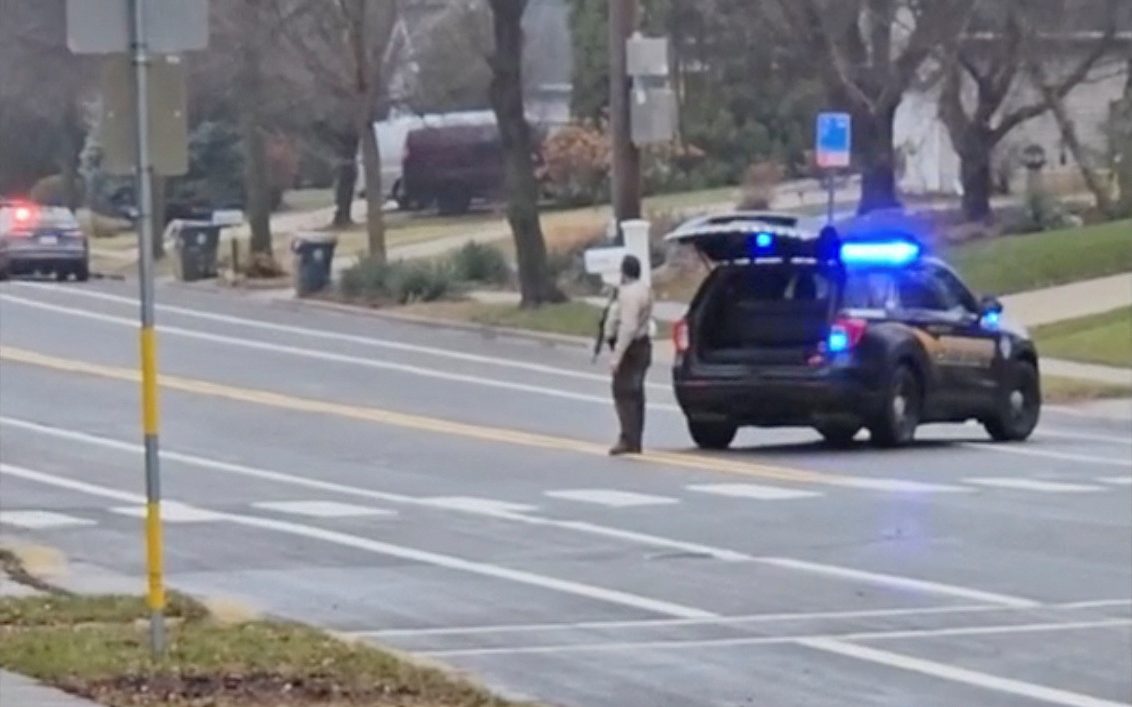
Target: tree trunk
<point>1123,116</point>
<point>375,195</point>
<point>257,190</point>
<point>157,186</point>
<point>346,181</point>
<point>976,175</point>
<point>877,155</point>
<point>506,93</point>
<point>70,144</point>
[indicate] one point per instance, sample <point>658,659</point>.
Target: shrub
<point>480,263</point>
<point>1040,211</point>
<point>759,185</point>
<point>576,165</point>
<point>50,190</point>
<point>399,283</point>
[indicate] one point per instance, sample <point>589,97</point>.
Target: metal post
<point>626,177</point>
<point>156,594</point>
<point>831,185</point>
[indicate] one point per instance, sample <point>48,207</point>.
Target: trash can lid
<point>316,237</point>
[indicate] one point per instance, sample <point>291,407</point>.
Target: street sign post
<point>138,29</point>
<point>834,138</point>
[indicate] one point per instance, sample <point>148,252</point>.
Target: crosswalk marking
<point>762,493</point>
<point>172,513</point>
<point>900,486</point>
<point>1033,485</point>
<point>321,509</point>
<point>480,505</point>
<point>1116,480</point>
<point>41,520</point>
<point>613,499</point>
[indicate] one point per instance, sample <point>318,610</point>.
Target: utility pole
<point>626,180</point>
<point>154,559</point>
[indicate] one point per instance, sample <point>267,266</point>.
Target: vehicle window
<point>869,291</point>
<point>56,218</point>
<point>918,289</point>
<point>780,285</point>
<point>956,293</point>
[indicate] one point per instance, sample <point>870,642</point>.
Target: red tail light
<point>680,336</point>
<point>845,334</point>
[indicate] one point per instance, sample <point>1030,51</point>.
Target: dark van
<point>450,166</point>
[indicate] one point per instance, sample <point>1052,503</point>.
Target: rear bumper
<point>779,400</point>
<point>28,261</point>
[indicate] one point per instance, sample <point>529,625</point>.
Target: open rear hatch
<point>770,300</point>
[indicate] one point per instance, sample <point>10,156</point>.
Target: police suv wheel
<point>896,424</point>
<point>1019,407</point>
<point>712,435</point>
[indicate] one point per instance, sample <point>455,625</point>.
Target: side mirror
<point>990,312</point>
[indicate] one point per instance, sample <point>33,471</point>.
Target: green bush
<point>480,263</point>
<point>398,283</point>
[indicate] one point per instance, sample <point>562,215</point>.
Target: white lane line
<point>1063,456</point>
<point>898,582</point>
<point>325,335</point>
<point>322,509</point>
<point>734,621</point>
<point>897,486</point>
<point>41,520</point>
<point>1097,604</point>
<point>678,644</point>
<point>459,564</point>
<point>481,506</point>
<point>320,355</point>
<point>755,491</point>
<point>956,674</point>
<point>1116,480</point>
<point>172,512</point>
<point>612,498</point>
<point>1059,433</point>
<point>1038,485</point>
<point>278,477</point>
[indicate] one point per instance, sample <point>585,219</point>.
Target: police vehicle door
<point>945,315</point>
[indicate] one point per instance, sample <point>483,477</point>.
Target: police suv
<point>853,327</point>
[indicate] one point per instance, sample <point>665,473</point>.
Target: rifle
<point>600,339</point>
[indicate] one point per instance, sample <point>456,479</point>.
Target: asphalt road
<point>449,494</point>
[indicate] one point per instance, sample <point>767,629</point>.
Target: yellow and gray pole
<point>156,585</point>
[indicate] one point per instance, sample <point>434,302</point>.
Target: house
<point>927,161</point>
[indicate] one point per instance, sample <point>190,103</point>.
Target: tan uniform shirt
<point>629,318</point>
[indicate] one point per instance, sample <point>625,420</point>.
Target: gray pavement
<point>19,691</point>
<point>448,494</point>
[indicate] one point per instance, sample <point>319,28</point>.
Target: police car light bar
<point>888,253</point>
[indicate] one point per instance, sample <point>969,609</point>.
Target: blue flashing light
<point>880,253</point>
<point>764,240</point>
<point>838,341</point>
<point>992,321</point>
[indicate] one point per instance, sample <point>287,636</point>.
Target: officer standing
<point>627,328</point>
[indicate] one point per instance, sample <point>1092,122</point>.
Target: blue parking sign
<point>834,139</point>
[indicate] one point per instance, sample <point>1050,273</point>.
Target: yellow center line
<point>409,421</point>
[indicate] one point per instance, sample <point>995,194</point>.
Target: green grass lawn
<point>1101,338</point>
<point>1019,263</point>
<point>96,647</point>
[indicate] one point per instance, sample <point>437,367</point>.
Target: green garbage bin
<point>313,257</point>
<point>196,244</point>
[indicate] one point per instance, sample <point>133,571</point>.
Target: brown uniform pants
<point>629,392</point>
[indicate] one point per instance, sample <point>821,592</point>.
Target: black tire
<point>712,435</point>
<point>454,200</point>
<point>82,272</point>
<point>903,403</point>
<point>5,274</point>
<point>838,434</point>
<point>1020,406</point>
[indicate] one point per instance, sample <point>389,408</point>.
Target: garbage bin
<point>195,244</point>
<point>313,256</point>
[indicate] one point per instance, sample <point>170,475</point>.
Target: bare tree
<point>535,284</point>
<point>345,44</point>
<point>1036,54</point>
<point>1122,134</point>
<point>985,69</point>
<point>868,53</point>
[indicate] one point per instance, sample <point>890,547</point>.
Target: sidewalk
<point>1079,299</point>
<point>19,691</point>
